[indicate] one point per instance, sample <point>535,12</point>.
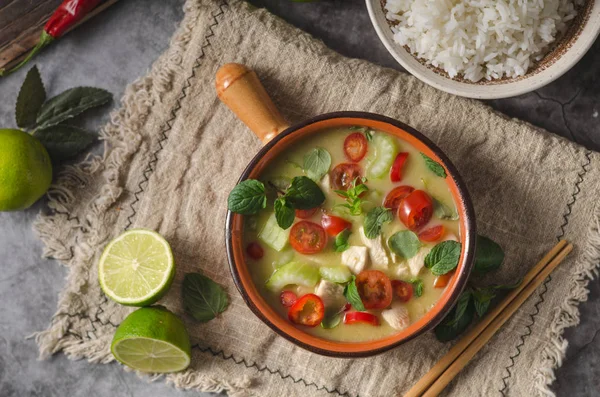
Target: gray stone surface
<point>119,46</point>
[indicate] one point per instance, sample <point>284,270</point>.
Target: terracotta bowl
<point>240,89</point>
<point>563,55</point>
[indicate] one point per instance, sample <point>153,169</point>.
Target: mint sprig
<point>352,195</point>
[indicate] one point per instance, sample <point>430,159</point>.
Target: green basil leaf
<point>64,141</point>
<point>443,258</point>
<point>247,198</point>
<point>341,241</point>
<point>352,295</point>
<point>457,320</point>
<point>71,103</point>
<point>434,166</point>
<point>284,214</point>
<point>488,255</point>
<point>443,211</point>
<point>317,163</point>
<point>31,98</point>
<point>417,284</point>
<point>203,299</point>
<point>405,243</point>
<point>304,194</point>
<point>331,321</point>
<point>375,220</point>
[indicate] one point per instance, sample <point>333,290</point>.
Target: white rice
<point>480,39</point>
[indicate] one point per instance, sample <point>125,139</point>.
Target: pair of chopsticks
<point>459,356</point>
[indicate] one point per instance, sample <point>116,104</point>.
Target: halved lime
<point>152,339</point>
<point>136,268</point>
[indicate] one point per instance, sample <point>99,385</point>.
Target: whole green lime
<point>152,339</point>
<point>25,170</point>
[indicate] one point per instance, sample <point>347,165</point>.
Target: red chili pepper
<point>65,17</point>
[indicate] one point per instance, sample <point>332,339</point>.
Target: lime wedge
<point>136,268</point>
<point>152,339</point>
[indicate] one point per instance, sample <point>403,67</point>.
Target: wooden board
<point>21,23</point>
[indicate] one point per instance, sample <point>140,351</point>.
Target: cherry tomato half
<point>307,237</point>
<point>415,210</point>
<point>288,298</point>
<point>443,280</point>
<point>355,146</point>
<point>308,310</point>
<point>374,288</point>
<point>360,317</point>
<point>344,174</point>
<point>254,250</point>
<point>305,214</point>
<point>432,234</point>
<point>396,170</point>
<point>402,290</point>
<point>333,225</point>
<point>394,197</point>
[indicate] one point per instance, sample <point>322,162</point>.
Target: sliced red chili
<point>396,170</point>
<point>309,310</point>
<point>443,280</point>
<point>360,318</point>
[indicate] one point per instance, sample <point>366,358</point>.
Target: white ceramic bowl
<point>568,51</point>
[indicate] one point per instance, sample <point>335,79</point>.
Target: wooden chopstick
<point>459,355</point>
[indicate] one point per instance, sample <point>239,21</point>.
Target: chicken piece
<point>377,252</point>
<point>416,263</point>
<point>355,258</point>
<point>401,270</point>
<point>397,316</point>
<point>332,295</point>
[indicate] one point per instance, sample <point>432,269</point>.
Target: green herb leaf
<point>352,196</point>
<point>405,243</point>
<point>304,194</point>
<point>31,98</point>
<point>488,255</point>
<point>64,141</point>
<point>417,284</point>
<point>341,241</point>
<point>71,103</point>
<point>352,295</point>
<point>331,321</point>
<point>317,163</point>
<point>247,198</point>
<point>443,211</point>
<point>457,320</point>
<point>375,220</point>
<point>284,214</point>
<point>482,297</point>
<point>443,258</point>
<point>434,166</point>
<point>369,135</point>
<point>203,299</point>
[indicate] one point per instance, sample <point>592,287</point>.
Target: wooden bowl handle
<point>239,88</point>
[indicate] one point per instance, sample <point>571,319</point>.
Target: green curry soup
<point>352,234</point>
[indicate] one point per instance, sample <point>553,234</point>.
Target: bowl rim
<point>467,260</point>
<point>583,43</point>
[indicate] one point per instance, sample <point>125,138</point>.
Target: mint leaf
<point>284,214</point>
<point>304,194</point>
<point>443,211</point>
<point>341,241</point>
<point>488,255</point>
<point>352,295</point>
<point>247,198</point>
<point>443,258</point>
<point>375,220</point>
<point>203,299</point>
<point>482,297</point>
<point>64,141</point>
<point>417,284</point>
<point>405,243</point>
<point>434,166</point>
<point>71,103</point>
<point>369,135</point>
<point>352,196</point>
<point>331,321</point>
<point>31,98</point>
<point>457,320</point>
<point>317,163</point>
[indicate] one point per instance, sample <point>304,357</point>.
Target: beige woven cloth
<point>173,153</point>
